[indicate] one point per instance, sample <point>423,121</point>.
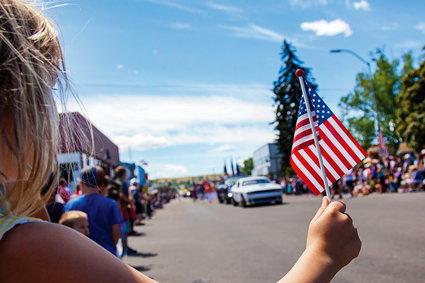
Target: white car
<point>253,190</point>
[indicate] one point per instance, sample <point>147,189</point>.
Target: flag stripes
<point>307,178</point>
<point>354,145</point>
<point>342,144</point>
<point>303,135</point>
<point>333,160</point>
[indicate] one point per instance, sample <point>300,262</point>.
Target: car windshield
<point>254,182</point>
<point>230,182</point>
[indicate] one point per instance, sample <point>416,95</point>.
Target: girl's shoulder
<point>32,246</point>
<point>7,223</point>
<point>46,252</point>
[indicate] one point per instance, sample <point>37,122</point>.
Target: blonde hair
<point>31,63</point>
<point>69,217</point>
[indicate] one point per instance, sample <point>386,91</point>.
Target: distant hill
<point>211,177</point>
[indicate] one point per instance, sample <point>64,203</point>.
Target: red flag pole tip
<point>299,72</point>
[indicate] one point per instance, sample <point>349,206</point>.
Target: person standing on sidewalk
<point>127,204</point>
<point>103,213</point>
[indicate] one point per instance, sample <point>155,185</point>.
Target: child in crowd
<point>31,64</point>
<point>136,192</point>
<point>76,220</point>
<point>64,191</point>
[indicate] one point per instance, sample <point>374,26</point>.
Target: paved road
<point>202,242</point>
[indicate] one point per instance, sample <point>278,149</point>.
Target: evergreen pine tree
<point>287,92</point>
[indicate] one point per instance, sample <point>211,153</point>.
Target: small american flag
<point>340,151</point>
<point>383,150</point>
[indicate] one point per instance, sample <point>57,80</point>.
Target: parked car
<point>255,190</point>
<point>223,190</point>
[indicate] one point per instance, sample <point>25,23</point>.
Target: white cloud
<point>180,26</point>
<point>167,170</point>
<point>421,27</point>
<point>361,5</point>
<point>224,8</point>
<point>255,32</point>
<point>326,28</point>
<point>307,3</point>
<point>119,66</point>
<point>390,27</point>
<point>232,115</point>
<point>223,148</point>
<point>175,5</point>
<point>140,141</point>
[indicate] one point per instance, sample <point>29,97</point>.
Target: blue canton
<point>316,104</point>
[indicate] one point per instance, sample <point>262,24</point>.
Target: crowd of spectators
<point>105,208</point>
<point>405,173</point>
<point>204,190</point>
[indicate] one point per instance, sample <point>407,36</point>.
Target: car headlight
<point>229,195</point>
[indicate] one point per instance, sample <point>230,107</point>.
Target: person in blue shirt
<point>103,213</point>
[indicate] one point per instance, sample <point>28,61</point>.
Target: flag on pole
<point>383,150</point>
<point>340,152</point>
<point>231,166</point>
<point>238,170</point>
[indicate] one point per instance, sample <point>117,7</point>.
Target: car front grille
<point>266,191</point>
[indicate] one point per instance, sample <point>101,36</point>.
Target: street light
<point>355,55</point>
<point>371,85</point>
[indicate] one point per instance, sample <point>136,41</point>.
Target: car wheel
<point>220,200</point>
<point>243,202</point>
<point>279,201</point>
<point>235,203</point>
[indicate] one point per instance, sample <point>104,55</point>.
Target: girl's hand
<point>332,236</point>
<point>332,242</point>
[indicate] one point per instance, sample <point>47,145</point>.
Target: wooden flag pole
<point>300,74</point>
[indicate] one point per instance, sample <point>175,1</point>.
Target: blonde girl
<point>32,250</point>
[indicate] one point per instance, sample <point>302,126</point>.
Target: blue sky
<point>186,84</point>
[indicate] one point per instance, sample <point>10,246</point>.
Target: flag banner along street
<point>383,150</point>
<point>340,151</point>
